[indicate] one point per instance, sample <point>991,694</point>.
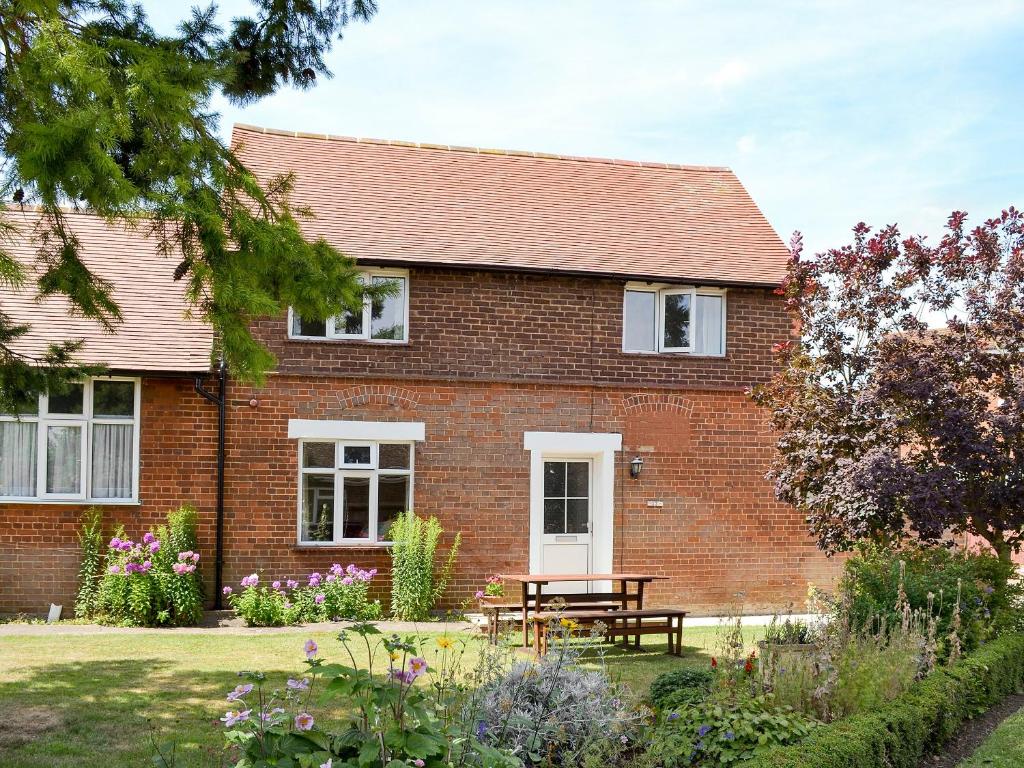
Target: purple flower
<point>319,599</point>
<point>624,739</point>
<point>251,580</point>
<point>351,569</point>
<point>149,538</point>
<point>291,583</point>
<point>347,581</point>
<point>336,569</point>
<point>154,547</point>
<point>146,566</point>
<point>331,577</point>
<point>673,716</point>
<point>728,735</point>
<point>481,729</point>
<point>266,716</point>
<point>115,543</point>
<point>126,545</point>
<point>703,731</point>
<point>298,685</point>
<point>303,721</point>
<point>479,594</point>
<point>195,557</point>
<point>276,584</point>
<point>227,590</point>
<point>372,572</point>
<point>314,579</point>
<point>417,666</point>
<point>239,692</point>
<point>115,569</point>
<point>287,604</point>
<point>418,762</point>
<point>310,648</point>
<point>330,763</point>
<point>233,718</point>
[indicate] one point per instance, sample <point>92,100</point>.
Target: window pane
<point>18,458</point>
<point>317,508</point>
<point>356,454</point>
<point>113,398</point>
<point>356,508</point>
<point>388,315</point>
<point>63,459</point>
<point>303,327</point>
<point>69,401</point>
<point>554,515</point>
<point>708,320</point>
<point>576,515</point>
<point>29,408</point>
<point>639,320</point>
<point>350,324</point>
<point>577,479</point>
<point>112,461</point>
<point>393,457</point>
<point>554,478</point>
<point>392,500</point>
<point>677,320</point>
<point>318,455</point>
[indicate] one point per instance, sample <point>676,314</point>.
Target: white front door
<point>567,540</point>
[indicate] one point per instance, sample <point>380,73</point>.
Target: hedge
<point>900,733</point>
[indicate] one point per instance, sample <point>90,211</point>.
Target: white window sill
<point>366,342</point>
<point>309,545</point>
<point>673,355</point>
<point>72,502</point>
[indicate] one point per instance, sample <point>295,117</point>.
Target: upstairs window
<point>79,444</point>
<point>381,320</point>
<point>663,318</point>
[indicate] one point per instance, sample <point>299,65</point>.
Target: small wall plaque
<point>655,503</point>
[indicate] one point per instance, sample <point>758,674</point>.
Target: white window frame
<point>660,291</point>
<point>332,332</point>
<point>85,421</point>
<point>340,471</point>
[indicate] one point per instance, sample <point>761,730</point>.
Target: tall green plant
<point>90,539</point>
<point>415,582</point>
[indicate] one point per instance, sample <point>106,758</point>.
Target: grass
<point>1004,748</point>
<point>104,700</point>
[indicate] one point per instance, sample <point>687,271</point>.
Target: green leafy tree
<point>100,112</point>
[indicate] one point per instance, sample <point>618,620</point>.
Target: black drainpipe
<point>221,401</point>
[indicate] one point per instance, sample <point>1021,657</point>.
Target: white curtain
<point>112,461</point>
<point>63,459</point>
<point>18,458</point>
<point>708,337</point>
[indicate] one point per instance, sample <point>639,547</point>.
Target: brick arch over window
<point>378,394</point>
<point>655,402</point>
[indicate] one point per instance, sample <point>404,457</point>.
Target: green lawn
<point>102,700</point>
<point>1003,749</point>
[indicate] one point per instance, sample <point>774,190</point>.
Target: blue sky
<point>830,112</point>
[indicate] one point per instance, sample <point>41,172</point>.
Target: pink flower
<point>331,577</point>
<point>276,584</point>
<point>115,543</point>
<point>239,692</point>
<point>298,685</point>
<point>195,557</point>
<point>146,566</point>
<point>479,594</point>
<point>303,721</point>
<point>154,547</point>
<point>251,580</point>
<point>227,590</point>
<point>328,764</point>
<point>417,666</point>
<point>310,648</point>
<point>418,762</point>
<point>314,579</point>
<point>291,583</point>
<point>336,569</point>
<point>319,599</point>
<point>149,538</point>
<point>115,569</point>
<point>233,718</point>
<point>266,716</point>
<point>347,581</point>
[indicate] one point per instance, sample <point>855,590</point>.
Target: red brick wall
<point>507,355</point>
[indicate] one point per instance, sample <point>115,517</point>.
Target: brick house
<point>555,319</point>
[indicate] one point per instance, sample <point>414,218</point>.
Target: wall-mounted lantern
<point>636,466</point>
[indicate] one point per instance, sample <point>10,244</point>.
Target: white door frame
<point>600,447</point>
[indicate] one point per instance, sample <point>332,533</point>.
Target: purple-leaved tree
<point>901,407</point>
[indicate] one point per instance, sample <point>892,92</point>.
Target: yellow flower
<point>395,655</point>
<point>568,624</point>
<point>444,642</point>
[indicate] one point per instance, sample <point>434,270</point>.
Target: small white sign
<point>54,615</point>
<point>655,503</point>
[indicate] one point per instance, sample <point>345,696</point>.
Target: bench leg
<point>671,638</point>
<point>679,635</point>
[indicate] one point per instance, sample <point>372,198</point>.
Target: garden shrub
<point>871,582</point>
<point>900,733</point>
<point>680,687</point>
<point>90,540</point>
<point>342,594</point>
<point>153,582</point>
<point>416,581</point>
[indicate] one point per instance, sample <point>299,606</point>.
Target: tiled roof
<point>154,335</point>
<point>404,203</point>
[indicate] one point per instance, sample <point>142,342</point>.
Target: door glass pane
<point>707,337</point>
<point>392,500</point>
<point>112,446</point>
<point>303,327</point>
<point>577,511</point>
<point>18,458</point>
<point>355,454</point>
<point>554,478</point>
<point>68,401</point>
<point>317,508</point>
<point>393,456</point>
<point>577,482</point>
<point>677,320</point>
<point>113,398</point>
<point>64,459</point>
<point>387,316</point>
<point>554,515</point>
<point>356,508</point>
<point>318,455</point>
<point>639,320</point>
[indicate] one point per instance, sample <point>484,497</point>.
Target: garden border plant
<point>900,733</point>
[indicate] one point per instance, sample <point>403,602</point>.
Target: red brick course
<point>478,374</point>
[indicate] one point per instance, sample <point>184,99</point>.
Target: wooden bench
<point>596,601</point>
<point>667,621</point>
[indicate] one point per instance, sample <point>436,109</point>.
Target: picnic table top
<point>544,578</point>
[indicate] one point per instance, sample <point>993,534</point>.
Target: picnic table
<point>622,595</point>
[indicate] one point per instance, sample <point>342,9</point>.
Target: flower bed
<point>343,593</point>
